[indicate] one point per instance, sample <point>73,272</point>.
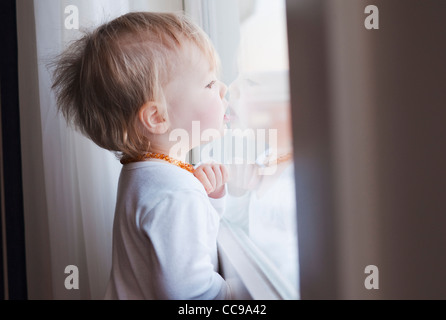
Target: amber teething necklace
<point>268,162</point>
<point>160,156</point>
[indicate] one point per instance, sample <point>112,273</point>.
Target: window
<point>259,227</point>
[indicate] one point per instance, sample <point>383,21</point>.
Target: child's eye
<point>211,85</point>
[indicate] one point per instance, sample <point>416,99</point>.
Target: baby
<point>127,85</point>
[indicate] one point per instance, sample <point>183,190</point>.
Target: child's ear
<point>152,118</point>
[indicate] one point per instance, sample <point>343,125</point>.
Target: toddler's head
<point>131,81</point>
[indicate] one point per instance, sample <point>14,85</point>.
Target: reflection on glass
<point>261,190</point>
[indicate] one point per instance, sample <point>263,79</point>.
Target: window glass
<point>257,148</point>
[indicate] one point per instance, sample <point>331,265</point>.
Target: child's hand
<point>213,176</point>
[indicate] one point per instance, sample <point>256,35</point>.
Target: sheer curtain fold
<point>80,178</point>
<point>77,181</point>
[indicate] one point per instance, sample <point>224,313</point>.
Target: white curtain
<point>70,183</point>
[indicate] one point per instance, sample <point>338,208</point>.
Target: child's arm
<point>213,176</point>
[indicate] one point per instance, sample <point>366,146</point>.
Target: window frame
<point>247,279</point>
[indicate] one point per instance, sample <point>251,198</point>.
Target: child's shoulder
<point>159,176</point>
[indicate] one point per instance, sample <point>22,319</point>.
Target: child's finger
<point>202,177</point>
<point>218,175</point>
<point>225,173</point>
<point>210,176</point>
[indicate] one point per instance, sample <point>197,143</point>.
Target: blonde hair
<point>103,79</point>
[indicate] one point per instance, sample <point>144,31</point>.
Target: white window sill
<point>240,265</point>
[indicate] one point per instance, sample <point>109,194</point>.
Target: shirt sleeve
<point>220,203</point>
<point>182,230</point>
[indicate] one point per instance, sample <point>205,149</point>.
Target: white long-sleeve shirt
<point>164,236</point>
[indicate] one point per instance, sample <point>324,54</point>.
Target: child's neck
<point>180,156</point>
